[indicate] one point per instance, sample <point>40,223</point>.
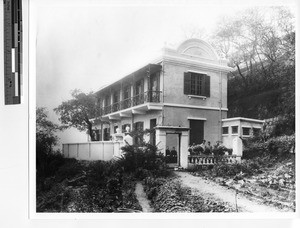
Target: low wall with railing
<point>100,150</point>
<point>211,160</point>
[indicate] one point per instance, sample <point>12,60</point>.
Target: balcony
<point>138,100</point>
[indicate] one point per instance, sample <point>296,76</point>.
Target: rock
<point>241,182</point>
<point>287,175</point>
<point>281,182</point>
<point>229,182</point>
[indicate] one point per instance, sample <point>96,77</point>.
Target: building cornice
<point>243,119</point>
<point>180,61</point>
<point>194,106</point>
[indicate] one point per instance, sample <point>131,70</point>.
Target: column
<point>161,138</point>
<point>184,149</point>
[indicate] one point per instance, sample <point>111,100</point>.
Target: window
<point>246,130</point>
<point>116,97</point>
<point>126,93</point>
<point>139,87</point>
<point>225,130</point>
<point>106,134</point>
<point>124,127</point>
<point>107,100</point>
<point>256,131</point>
<point>196,84</point>
<point>96,135</point>
<point>138,138</point>
<point>234,130</point>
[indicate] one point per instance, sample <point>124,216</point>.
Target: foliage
<point>260,44</point>
<point>78,111</point>
<point>195,149</point>
<point>281,146</point>
<point>45,132</point>
<point>246,168</point>
<point>88,187</point>
<point>143,160</point>
<point>220,150</point>
<point>168,195</point>
<point>47,160</point>
<point>70,169</point>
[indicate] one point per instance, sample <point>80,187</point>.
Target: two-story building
<point>182,95</point>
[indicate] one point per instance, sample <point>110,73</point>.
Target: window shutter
<point>187,83</point>
<point>207,85</point>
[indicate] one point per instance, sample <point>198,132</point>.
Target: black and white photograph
<point>153,107</point>
<point>179,112</point>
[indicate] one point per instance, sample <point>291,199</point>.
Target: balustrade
<point>146,97</point>
<point>211,160</point>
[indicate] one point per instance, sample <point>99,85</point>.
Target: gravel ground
<point>209,189</point>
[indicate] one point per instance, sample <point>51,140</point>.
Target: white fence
<point>100,150</point>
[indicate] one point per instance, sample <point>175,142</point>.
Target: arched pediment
<point>199,48</point>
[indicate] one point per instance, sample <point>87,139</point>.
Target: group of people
<point>171,155</point>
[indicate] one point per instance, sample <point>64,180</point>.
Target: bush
<point>47,165</point>
<point>101,171</point>
<point>220,150</point>
<point>279,146</point>
<point>69,169</point>
<point>246,168</point>
<point>143,160</point>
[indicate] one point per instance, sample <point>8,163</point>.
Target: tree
<point>257,41</point>
<point>47,159</point>
<point>45,132</point>
<point>260,45</point>
<point>79,111</point>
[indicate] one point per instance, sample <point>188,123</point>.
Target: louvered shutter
<point>207,85</point>
<point>187,83</point>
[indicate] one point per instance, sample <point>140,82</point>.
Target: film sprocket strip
<point>12,12</point>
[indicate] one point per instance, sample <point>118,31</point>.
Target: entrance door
<point>172,149</point>
<point>197,131</point>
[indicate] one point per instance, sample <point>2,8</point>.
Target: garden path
<point>142,197</point>
<point>209,189</point>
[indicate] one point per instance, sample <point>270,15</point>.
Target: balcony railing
<point>146,97</point>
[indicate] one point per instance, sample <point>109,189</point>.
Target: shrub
<point>220,150</point>
<point>141,160</point>
<point>280,146</point>
<point>101,171</point>
<point>47,165</point>
<point>246,168</point>
<point>70,169</point>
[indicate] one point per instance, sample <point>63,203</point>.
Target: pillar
<point>161,138</point>
<point>184,143</point>
<point>237,146</point>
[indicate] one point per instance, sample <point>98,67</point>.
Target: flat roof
<point>243,119</point>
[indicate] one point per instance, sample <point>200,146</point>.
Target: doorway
<point>172,149</point>
<point>196,131</point>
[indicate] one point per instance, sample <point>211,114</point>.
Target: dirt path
<point>212,190</point>
<point>142,198</point>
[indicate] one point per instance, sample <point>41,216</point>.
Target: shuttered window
<point>196,84</point>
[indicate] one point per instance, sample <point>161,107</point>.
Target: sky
<point>86,44</point>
